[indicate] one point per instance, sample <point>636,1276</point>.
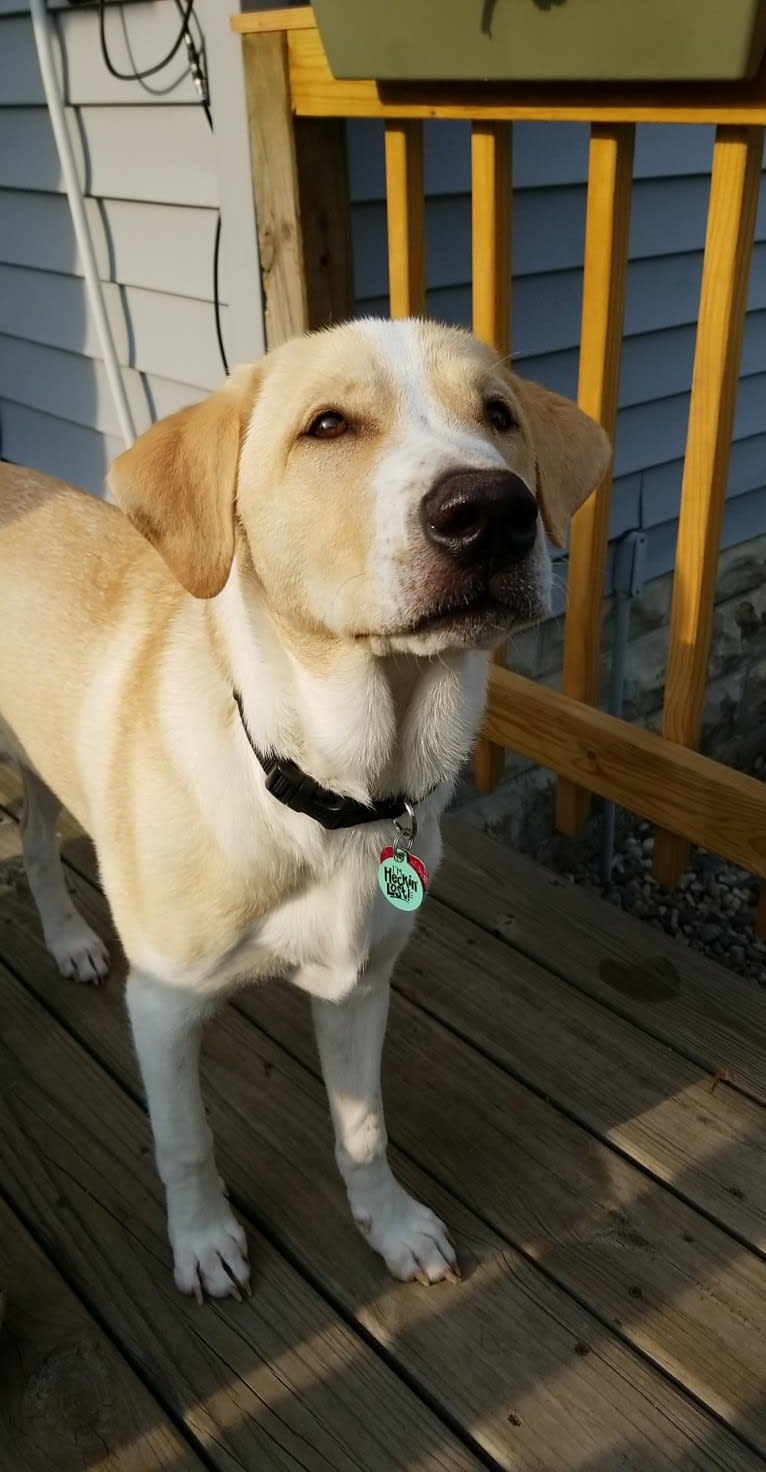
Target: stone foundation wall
<point>520,811</point>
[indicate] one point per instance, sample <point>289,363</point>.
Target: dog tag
<point>403,878</point>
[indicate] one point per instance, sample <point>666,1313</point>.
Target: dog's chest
<point>325,931</point>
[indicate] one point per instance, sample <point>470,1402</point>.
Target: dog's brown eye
<point>327,426</point>
<point>499,415</point>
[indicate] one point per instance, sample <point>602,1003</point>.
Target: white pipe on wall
<point>42,32</point>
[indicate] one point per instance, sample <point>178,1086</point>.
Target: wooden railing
<point>296,112</point>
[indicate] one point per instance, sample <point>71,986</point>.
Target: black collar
<point>290,785</point>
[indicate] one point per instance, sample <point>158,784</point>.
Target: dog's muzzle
<point>482,518</point>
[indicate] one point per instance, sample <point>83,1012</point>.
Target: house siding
<point>151,172</point>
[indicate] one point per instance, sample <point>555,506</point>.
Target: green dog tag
<point>403,879</point>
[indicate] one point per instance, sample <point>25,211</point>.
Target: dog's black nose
<point>481,516</point>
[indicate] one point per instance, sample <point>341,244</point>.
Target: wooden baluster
<point>491,290</point>
<point>405,206</point>
<point>723,303</point>
<point>610,177</point>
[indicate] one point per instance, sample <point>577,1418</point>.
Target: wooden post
<point>405,206</point>
<point>301,200</point>
<point>610,177</point>
<point>491,194</point>
<point>723,303</point>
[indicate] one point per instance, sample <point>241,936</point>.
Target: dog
<point>261,668</point>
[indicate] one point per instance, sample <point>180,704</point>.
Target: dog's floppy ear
<point>177,483</point>
<point>571,451</point>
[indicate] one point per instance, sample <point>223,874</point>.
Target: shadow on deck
<point>582,1099</point>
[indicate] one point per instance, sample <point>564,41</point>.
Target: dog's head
<point>392,483</point>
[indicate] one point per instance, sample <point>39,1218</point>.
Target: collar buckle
<point>296,790</point>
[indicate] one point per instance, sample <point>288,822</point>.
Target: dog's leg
<point>76,949</point>
<point>411,1239</point>
<point>209,1246</point>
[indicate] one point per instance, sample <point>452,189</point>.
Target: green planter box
<point>543,40</point>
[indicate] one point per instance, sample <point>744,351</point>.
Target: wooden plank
<point>544,1374</point>
<point>734,187</point>
<point>69,1400</point>
<point>316,93</point>
<point>708,1144</point>
<point>277,1383</point>
<point>405,213</point>
<point>275,188</point>
<point>630,1250</point>
<point>325,213</point>
<point>715,806</point>
<point>607,231</point>
<point>676,996</point>
<point>673,993</point>
<point>300,18</point>
<point>491,193</point>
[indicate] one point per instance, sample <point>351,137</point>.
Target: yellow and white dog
<point>255,676</point>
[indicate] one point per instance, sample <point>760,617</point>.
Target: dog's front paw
<point>212,1260</point>
<point>78,952</point>
<point>410,1238</point>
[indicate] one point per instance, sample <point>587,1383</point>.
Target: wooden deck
<point>582,1099</point>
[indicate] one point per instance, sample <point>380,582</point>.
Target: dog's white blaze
<point>425,442</point>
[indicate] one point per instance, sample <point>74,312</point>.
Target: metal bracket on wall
<point>629,574</point>
<point>628,577</point>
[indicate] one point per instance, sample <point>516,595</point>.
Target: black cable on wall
<point>198,71</point>
<point>149,71</point>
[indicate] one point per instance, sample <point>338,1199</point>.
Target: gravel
<point>713,909</point>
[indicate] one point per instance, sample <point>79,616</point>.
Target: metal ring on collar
<point>406,833</point>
